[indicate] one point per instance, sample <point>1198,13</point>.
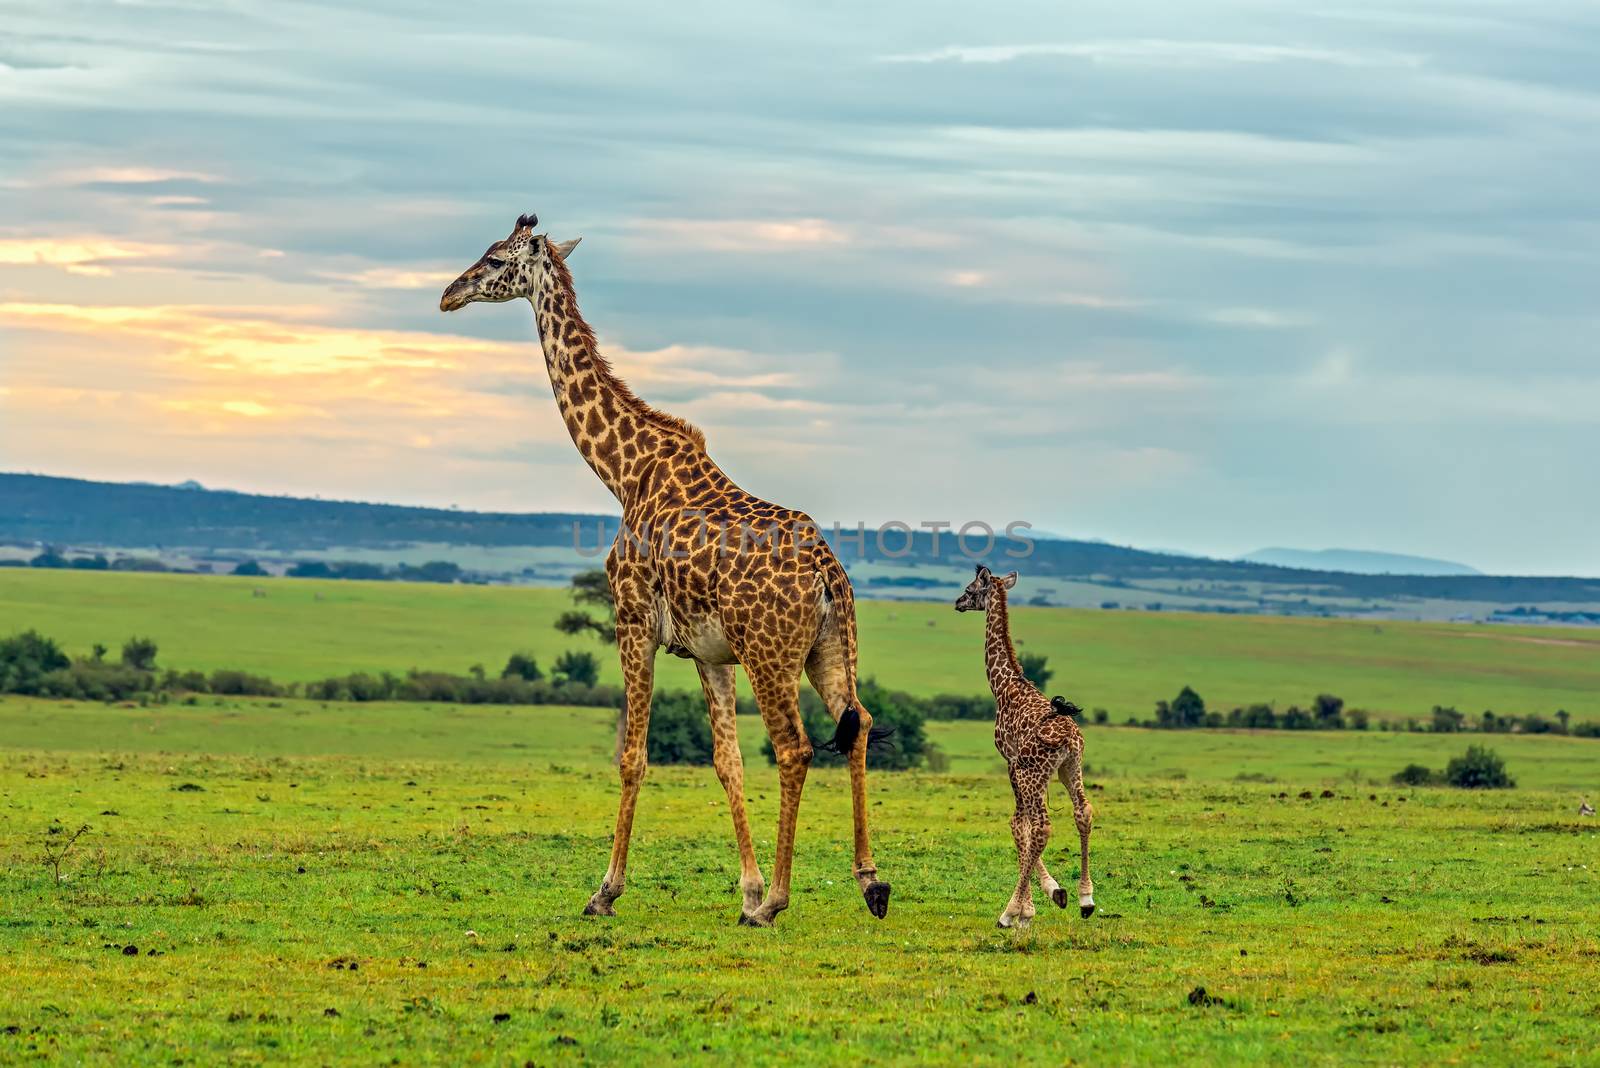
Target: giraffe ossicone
<point>780,612</point>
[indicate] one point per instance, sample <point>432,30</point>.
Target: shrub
<point>25,659</point>
<point>1357,718</point>
<point>1329,711</point>
<point>185,682</point>
<point>1188,709</point>
<point>93,680</point>
<point>680,729</point>
<point>1478,769</point>
<point>581,668</point>
<point>243,684</point>
<point>522,666</point>
<point>139,653</point>
<point>1446,720</point>
<point>1296,719</point>
<point>1413,775</point>
<point>955,706</point>
<point>1259,717</point>
<point>1036,669</point>
<point>251,569</point>
<point>48,558</point>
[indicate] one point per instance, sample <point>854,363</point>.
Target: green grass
<point>1121,661</point>
<point>447,852</point>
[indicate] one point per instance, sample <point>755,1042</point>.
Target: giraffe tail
<point>848,730</point>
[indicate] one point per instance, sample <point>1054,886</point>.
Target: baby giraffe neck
<point>999,657</point>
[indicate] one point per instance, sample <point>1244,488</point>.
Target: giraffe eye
<point>496,264</point>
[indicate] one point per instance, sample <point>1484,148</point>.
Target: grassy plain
<point>325,884</point>
<point>1121,661</point>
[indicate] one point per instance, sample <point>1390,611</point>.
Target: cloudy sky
<point>1207,277</point>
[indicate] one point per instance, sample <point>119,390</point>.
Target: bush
<point>1036,669</point>
<point>680,729</point>
<point>25,659</point>
<point>185,682</point>
<point>1413,775</point>
<point>139,653</point>
<point>1446,720</point>
<point>954,706</point>
<point>522,666</point>
<point>1329,711</point>
<point>93,680</point>
<point>1478,769</point>
<point>251,569</point>
<point>243,684</point>
<point>1259,717</point>
<point>48,558</point>
<point>1297,719</point>
<point>581,668</point>
<point>1187,710</point>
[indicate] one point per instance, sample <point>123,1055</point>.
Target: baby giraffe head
<point>516,266</point>
<point>975,598</point>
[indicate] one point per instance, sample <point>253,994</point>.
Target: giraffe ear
<point>564,248</point>
<point>981,572</point>
<point>1009,581</point>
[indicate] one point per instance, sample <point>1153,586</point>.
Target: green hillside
<point>1121,661</point>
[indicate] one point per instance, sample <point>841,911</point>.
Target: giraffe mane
<point>646,411</point>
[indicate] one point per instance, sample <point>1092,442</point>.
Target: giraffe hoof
<point>596,907</point>
<point>1086,910</point>
<point>1059,896</point>
<point>749,920</point>
<point>877,895</point>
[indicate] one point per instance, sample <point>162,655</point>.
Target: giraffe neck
<point>999,657</point>
<point>613,429</point>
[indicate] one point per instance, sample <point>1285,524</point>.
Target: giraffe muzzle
<point>457,295</point>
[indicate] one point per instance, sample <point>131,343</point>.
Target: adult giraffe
<point>701,567</point>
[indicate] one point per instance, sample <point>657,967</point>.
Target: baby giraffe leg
<point>1014,913</point>
<point>1048,884</point>
<point>1083,815</point>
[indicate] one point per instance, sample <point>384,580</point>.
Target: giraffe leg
<point>1048,884</point>
<point>778,697</point>
<point>637,647</point>
<point>1013,913</point>
<point>1038,838</point>
<point>718,682</point>
<point>1071,773</point>
<point>829,677</point>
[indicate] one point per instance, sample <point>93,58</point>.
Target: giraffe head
<point>515,266</point>
<point>975,598</point>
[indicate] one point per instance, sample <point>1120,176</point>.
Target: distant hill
<point>1358,562</point>
<point>73,511</point>
<point>79,515</point>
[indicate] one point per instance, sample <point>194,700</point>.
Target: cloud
<point>1160,52</point>
<point>90,256</point>
<point>1028,256</point>
<point>127,175</point>
<point>743,235</point>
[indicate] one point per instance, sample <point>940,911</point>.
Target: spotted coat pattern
<point>1040,741</point>
<point>701,567</point>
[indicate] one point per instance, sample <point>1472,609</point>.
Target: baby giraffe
<point>1039,739</point>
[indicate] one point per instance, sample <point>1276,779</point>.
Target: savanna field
<point>268,880</point>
